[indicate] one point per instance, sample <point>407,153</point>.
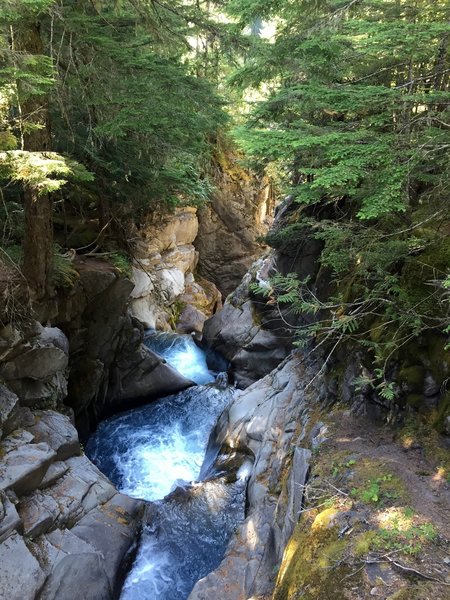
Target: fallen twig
<point>410,570</point>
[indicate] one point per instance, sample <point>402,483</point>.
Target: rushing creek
<point>160,453</point>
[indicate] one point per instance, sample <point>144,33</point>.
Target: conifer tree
<point>117,83</point>
<point>356,126</point>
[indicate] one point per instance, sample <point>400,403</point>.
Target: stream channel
<point>162,453</point>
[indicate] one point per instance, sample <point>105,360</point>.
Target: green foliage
<point>175,311</point>
<point>12,253</point>
<point>148,132</point>
<point>349,123</point>
<point>64,274</point>
<point>121,262</point>
<point>377,490</point>
<point>45,172</point>
<point>355,121</point>
<point>409,539</point>
<point>113,109</point>
<point>14,11</point>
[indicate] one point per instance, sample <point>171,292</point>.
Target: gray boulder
<point>9,519</point>
<point>146,375</point>
<point>262,420</point>
<point>78,576</point>
<point>36,369</point>
<point>244,334</point>
<point>39,513</point>
<point>85,561</point>
<point>9,411</point>
<point>23,468</point>
<point>57,431</point>
<point>21,576</point>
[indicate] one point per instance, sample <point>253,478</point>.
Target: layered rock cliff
<point>166,294</point>
<point>65,531</point>
<point>232,224</point>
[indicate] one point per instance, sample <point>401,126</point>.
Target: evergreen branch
<point>422,78</point>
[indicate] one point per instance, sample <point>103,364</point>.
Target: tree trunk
<point>38,244</point>
<point>38,237</point>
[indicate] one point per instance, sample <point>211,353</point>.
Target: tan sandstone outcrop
<point>165,260</point>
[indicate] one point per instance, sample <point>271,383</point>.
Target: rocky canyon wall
<point>232,223</point>
<point>65,531</point>
<point>166,293</point>
<point>61,520</point>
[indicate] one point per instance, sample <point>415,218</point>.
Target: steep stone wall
<point>239,213</point>
<point>417,367</point>
<point>109,365</point>
<point>34,363</point>
<point>264,420</point>
<point>247,331</point>
<point>65,531</point>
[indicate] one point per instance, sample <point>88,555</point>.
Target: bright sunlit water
<point>182,353</point>
<point>147,451</point>
<point>159,449</point>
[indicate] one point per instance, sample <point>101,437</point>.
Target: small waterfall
<point>182,353</point>
<point>185,540</point>
<point>221,381</point>
<point>156,452</point>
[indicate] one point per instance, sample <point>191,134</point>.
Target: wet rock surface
<point>64,529</point>
<point>109,365</point>
<point>262,420</point>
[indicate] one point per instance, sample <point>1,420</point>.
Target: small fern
<point>64,274</point>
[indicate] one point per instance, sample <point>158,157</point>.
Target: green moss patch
<point>314,561</point>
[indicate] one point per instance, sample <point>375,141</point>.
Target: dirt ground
<point>424,477</point>
<point>376,520</point>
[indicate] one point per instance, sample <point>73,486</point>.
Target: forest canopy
<point>356,128</point>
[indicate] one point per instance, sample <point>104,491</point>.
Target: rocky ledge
<point>263,421</point>
<point>65,531</point>
<point>248,331</point>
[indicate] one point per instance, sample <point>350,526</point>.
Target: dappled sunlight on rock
<point>440,475</point>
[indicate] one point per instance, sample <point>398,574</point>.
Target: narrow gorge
<point>224,300</point>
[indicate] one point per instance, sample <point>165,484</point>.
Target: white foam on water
<point>154,463</point>
<point>183,354</point>
<point>148,578</point>
<point>148,452</point>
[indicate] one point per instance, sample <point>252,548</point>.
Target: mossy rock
<point>312,561</point>
<point>378,331</point>
<point>412,377</point>
<point>435,357</point>
<point>427,354</point>
<point>442,413</point>
<point>363,543</point>
<point>419,591</point>
<point>418,271</point>
<point>414,400</point>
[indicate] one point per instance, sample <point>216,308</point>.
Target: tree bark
<point>38,237</point>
